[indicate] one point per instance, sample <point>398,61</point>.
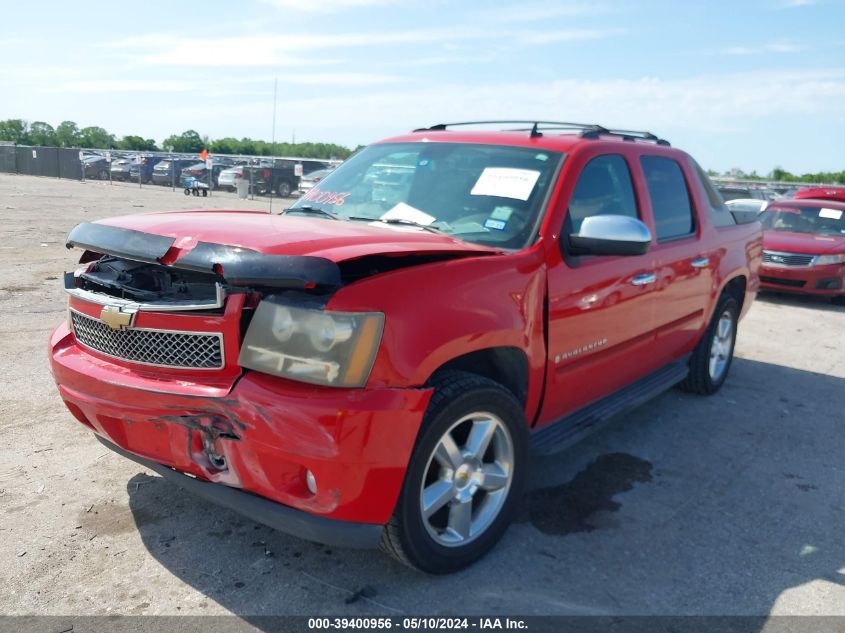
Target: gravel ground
<point>723,505</point>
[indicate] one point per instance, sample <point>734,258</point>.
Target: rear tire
<point>838,300</point>
<point>465,477</point>
<point>103,174</point>
<point>712,358</point>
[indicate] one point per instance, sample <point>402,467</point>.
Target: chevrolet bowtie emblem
<point>116,318</point>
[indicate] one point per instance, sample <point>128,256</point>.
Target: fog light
<point>311,482</point>
<point>834,283</point>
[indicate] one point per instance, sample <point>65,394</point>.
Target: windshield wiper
<point>312,210</point>
<point>400,221</point>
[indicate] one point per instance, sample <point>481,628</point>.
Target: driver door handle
<point>644,279</point>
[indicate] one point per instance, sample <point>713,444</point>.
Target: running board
<point>569,430</point>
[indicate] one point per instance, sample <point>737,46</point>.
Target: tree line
<point>68,134</point>
<point>779,174</point>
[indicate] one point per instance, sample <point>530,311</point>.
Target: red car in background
<point>821,193</point>
<point>804,248</point>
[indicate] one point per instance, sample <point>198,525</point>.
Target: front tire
<point>465,477</point>
<point>283,189</point>
<point>712,358</point>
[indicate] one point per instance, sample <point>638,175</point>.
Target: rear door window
<point>603,188</point>
<point>670,199</point>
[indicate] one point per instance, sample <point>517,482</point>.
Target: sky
<point>752,84</point>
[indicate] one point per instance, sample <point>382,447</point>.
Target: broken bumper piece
<point>277,516</point>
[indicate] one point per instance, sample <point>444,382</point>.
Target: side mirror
<point>610,235</point>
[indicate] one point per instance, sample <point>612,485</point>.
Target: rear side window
<point>670,199</point>
<point>720,214</point>
<point>603,188</point>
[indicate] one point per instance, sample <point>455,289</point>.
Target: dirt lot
<point>726,505</point>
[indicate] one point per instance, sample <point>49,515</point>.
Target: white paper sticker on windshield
<point>833,214</point>
<point>404,211</point>
<point>505,182</point>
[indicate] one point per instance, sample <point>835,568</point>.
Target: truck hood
<point>803,243</point>
<point>248,247</point>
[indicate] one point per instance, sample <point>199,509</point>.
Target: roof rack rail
<point>585,130</point>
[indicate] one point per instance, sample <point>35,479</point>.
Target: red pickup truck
<point>376,364</point>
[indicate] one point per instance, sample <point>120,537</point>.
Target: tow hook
<point>216,460</point>
<point>206,434</point>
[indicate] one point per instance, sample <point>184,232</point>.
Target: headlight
<point>325,348</point>
<point>823,260</point>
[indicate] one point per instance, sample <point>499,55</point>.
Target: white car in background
<point>227,179</point>
<point>309,181</point>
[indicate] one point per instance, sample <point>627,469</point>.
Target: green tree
<point>779,173</point>
<point>42,134</point>
<point>14,130</point>
<point>67,134</point>
<point>188,141</point>
<point>226,145</point>
<point>137,143</point>
<point>96,137</point>
<point>247,146</point>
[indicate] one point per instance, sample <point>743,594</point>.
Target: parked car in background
<point>731,192</point>
<point>747,204</point>
<point>277,177</point>
<point>228,177</point>
<point>804,248</point>
<point>199,171</point>
<point>821,193</point>
<point>120,168</point>
<point>308,181</point>
<point>362,372</point>
<point>144,166</point>
<point>96,167</point>
<point>169,171</point>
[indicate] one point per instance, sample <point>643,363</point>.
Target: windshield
<point>488,194</point>
<point>819,220</point>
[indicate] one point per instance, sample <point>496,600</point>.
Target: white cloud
<point>327,6</point>
<point>537,11</point>
<point>708,103</point>
<point>108,86</point>
<point>564,35</point>
<point>290,49</point>
<point>772,47</point>
<point>219,86</point>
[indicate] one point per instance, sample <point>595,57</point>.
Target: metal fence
<point>8,163</point>
<point>56,162</point>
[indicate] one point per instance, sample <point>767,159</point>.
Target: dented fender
<point>482,302</point>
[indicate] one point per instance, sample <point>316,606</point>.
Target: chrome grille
<point>786,259</point>
<point>163,348</point>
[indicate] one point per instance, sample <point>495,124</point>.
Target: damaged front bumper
<point>261,510</point>
<point>249,443</point>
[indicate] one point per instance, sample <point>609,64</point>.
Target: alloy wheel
<point>467,479</point>
<point>721,347</point>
